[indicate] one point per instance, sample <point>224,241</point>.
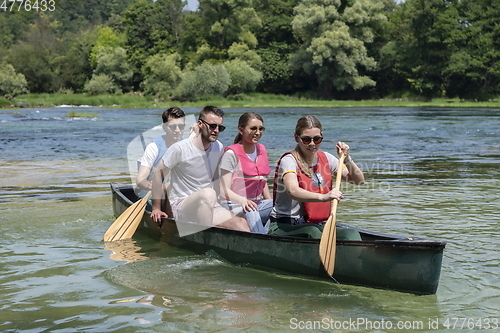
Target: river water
<point>431,172</point>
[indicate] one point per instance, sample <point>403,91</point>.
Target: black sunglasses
<point>255,128</point>
<point>174,126</point>
<point>307,139</point>
<point>214,126</point>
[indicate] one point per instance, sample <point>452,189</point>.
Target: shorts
<point>178,213</point>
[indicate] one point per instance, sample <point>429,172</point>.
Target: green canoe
<point>377,260</point>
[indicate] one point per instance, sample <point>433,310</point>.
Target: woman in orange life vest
<point>303,188</point>
<point>244,168</point>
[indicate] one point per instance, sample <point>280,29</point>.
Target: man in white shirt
<point>192,165</point>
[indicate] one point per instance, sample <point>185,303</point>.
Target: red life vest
<point>254,173</point>
<point>315,212</point>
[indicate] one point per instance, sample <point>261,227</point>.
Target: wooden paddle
<point>128,222</point>
<point>328,242</point>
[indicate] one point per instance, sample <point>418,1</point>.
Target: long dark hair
<point>244,120</point>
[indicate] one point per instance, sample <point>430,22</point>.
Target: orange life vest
<point>321,182</point>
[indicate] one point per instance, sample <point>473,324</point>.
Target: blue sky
<point>192,4</point>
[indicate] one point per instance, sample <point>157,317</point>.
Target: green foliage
<point>228,21</point>
<point>107,37</point>
<point>77,14</point>
<point>333,35</point>
<point>330,48</point>
<point>13,26</point>
<point>241,51</point>
<point>204,80</point>
<point>276,17</point>
<point>473,71</point>
<point>101,84</point>
<point>162,75</point>
<point>74,67</point>
<point>277,75</point>
<point>11,83</point>
<point>4,102</point>
<point>244,78</point>
<point>151,28</point>
<point>112,61</point>
<point>39,55</point>
<point>276,44</point>
<point>429,49</point>
<point>226,31</point>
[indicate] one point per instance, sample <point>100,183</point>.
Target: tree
<point>244,78</point>
<point>101,84</point>
<point>106,37</point>
<point>276,44</point>
<point>11,83</point>
<point>333,34</point>
<point>77,14</point>
<point>14,25</point>
<point>75,68</point>
<point>38,56</point>
<point>227,31</point>
<point>162,75</point>
<point>204,80</point>
<point>428,51</point>
<point>227,21</point>
<point>473,71</point>
<point>151,28</point>
<point>112,61</point>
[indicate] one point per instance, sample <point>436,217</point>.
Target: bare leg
<point>226,219</point>
<point>199,206</point>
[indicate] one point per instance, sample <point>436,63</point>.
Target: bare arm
<point>230,195</point>
<point>142,178</point>
<point>158,193</point>
<point>266,193</point>
<point>351,173</point>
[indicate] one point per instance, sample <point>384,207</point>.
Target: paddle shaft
<point>328,243</point>
<point>126,224</point>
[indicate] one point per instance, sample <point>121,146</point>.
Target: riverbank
<point>238,101</point>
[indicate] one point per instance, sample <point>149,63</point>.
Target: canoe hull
<point>378,260</point>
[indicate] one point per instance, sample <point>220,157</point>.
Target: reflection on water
<point>430,173</point>
<point>203,293</point>
<point>125,250</point>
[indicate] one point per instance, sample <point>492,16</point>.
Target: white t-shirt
<point>285,206</point>
<point>150,154</point>
<point>191,169</point>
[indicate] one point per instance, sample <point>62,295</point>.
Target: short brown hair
<point>172,112</point>
<point>211,109</point>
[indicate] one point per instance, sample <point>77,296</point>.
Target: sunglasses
<point>174,126</point>
<point>307,139</point>
<point>214,126</point>
<point>255,128</point>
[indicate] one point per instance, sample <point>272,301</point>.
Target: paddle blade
<point>126,224</point>
<point>328,245</point>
